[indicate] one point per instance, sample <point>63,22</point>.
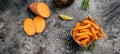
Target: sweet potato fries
<point>87,31</point>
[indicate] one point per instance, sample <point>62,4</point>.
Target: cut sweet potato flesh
<point>29,26</point>
<point>40,8</point>
<point>39,24</point>
<point>43,10</point>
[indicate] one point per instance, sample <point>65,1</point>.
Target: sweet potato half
<point>40,8</point>
<point>29,26</point>
<point>39,24</point>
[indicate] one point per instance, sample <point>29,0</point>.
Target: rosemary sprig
<point>85,4</point>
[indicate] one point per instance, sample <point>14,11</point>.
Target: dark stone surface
<point>56,39</point>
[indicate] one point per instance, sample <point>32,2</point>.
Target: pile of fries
<point>87,31</point>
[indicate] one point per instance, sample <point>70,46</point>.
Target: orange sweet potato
<point>93,24</point>
<point>84,33</point>
<point>82,37</point>
<point>77,25</point>
<point>40,8</point>
<point>39,24</point>
<point>87,31</point>
<point>83,27</point>
<point>94,33</point>
<point>85,42</point>
<point>29,26</point>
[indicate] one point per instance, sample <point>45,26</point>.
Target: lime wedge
<point>65,17</point>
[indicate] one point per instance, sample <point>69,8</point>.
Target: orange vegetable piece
<point>40,8</point>
<point>29,26</point>
<point>84,33</point>
<point>85,30</point>
<point>74,33</point>
<point>83,37</point>
<point>39,24</point>
<point>84,42</point>
<point>82,24</point>
<point>77,25</point>
<point>83,27</point>
<point>94,33</point>
<point>93,24</point>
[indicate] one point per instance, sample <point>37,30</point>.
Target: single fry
<point>93,24</point>
<point>94,33</point>
<point>84,33</point>
<point>77,25</point>
<point>84,42</point>
<point>83,37</point>
<point>74,33</point>
<point>83,27</point>
<point>85,30</point>
<point>81,24</point>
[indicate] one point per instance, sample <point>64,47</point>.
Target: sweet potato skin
<point>33,7</point>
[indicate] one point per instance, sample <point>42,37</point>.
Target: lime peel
<point>65,17</point>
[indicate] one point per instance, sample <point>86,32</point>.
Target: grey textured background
<point>56,37</point>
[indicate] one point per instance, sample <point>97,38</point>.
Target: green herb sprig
<point>90,48</point>
<point>85,4</point>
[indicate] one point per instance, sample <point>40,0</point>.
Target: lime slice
<point>65,17</point>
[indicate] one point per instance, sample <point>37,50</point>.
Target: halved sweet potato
<point>29,26</point>
<point>40,8</point>
<point>39,24</point>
